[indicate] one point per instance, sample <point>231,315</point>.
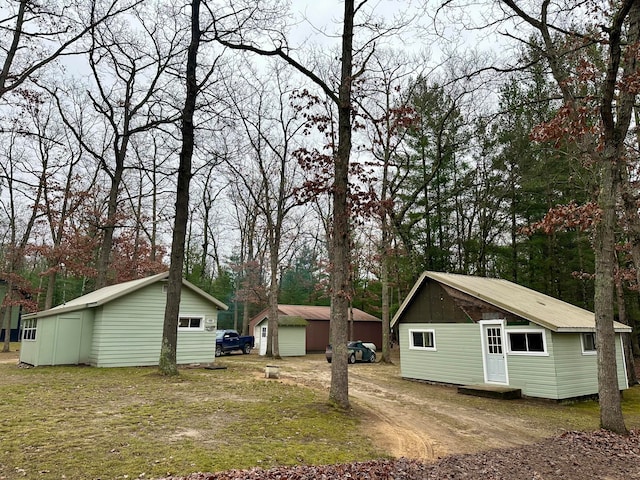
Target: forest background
<point>451,168</point>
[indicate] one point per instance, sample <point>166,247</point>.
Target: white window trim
<point>545,353</point>
<point>29,325</point>
<point>587,352</point>
<point>191,329</point>
<point>422,330</point>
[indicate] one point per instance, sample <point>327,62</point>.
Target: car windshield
<point>219,334</point>
<point>353,344</point>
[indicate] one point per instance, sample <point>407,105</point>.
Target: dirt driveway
<point>421,421</point>
<point>416,420</point>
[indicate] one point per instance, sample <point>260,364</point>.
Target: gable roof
<point>287,321</point>
<point>310,313</point>
<point>536,307</point>
<point>112,292</point>
<point>322,313</point>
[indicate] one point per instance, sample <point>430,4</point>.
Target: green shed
<point>466,330</point>
<point>121,325</point>
<point>291,335</point>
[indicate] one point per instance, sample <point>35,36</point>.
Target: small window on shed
<point>29,328</point>
<point>588,343</point>
<point>532,343</point>
<point>190,323</point>
<point>422,339</point>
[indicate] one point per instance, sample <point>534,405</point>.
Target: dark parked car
<point>358,352</point>
<point>228,341</point>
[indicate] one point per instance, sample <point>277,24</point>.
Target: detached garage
<point>121,325</point>
<point>362,326</point>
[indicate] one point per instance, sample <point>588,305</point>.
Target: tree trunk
<point>273,346</point>
<point>246,318</point>
<point>102,278</point>
<point>168,361</point>
<point>51,286</point>
<point>384,280</point>
<point>616,109</point>
<point>385,252</point>
<point>340,295</point>
<point>604,242</point>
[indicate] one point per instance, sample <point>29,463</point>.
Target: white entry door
<point>495,360</point>
<point>263,340</point>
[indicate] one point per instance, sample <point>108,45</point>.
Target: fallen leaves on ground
<point>573,455</point>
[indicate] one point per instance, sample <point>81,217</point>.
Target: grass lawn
<point>83,423</point>
<point>88,423</point>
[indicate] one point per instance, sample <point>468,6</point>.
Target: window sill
<point>528,354</point>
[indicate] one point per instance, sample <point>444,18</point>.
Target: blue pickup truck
<point>228,341</point>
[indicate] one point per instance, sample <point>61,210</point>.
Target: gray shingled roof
<point>536,307</point>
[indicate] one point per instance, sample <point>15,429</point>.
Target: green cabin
<point>121,325</point>
<point>465,330</point>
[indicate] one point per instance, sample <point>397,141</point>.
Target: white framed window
<point>588,341</point>
<point>527,342</point>
<point>190,322</point>
<point>29,328</point>
<point>422,339</point>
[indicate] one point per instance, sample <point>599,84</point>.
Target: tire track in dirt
<point>395,436</point>
<point>415,420</point>
<point>387,423</point>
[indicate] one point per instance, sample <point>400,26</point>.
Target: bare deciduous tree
<point>269,172</point>
<point>339,94</point>
<point>37,33</point>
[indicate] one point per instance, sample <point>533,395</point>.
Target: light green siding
<point>29,352</point>
<point>457,358</point>
<point>67,339</point>
<point>623,381</point>
<point>60,340</point>
<point>39,352</point>
<point>292,341</point>
<point>578,373</point>
<point>563,372</point>
<point>128,330</point>
<point>535,375</point>
<point>86,337</point>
